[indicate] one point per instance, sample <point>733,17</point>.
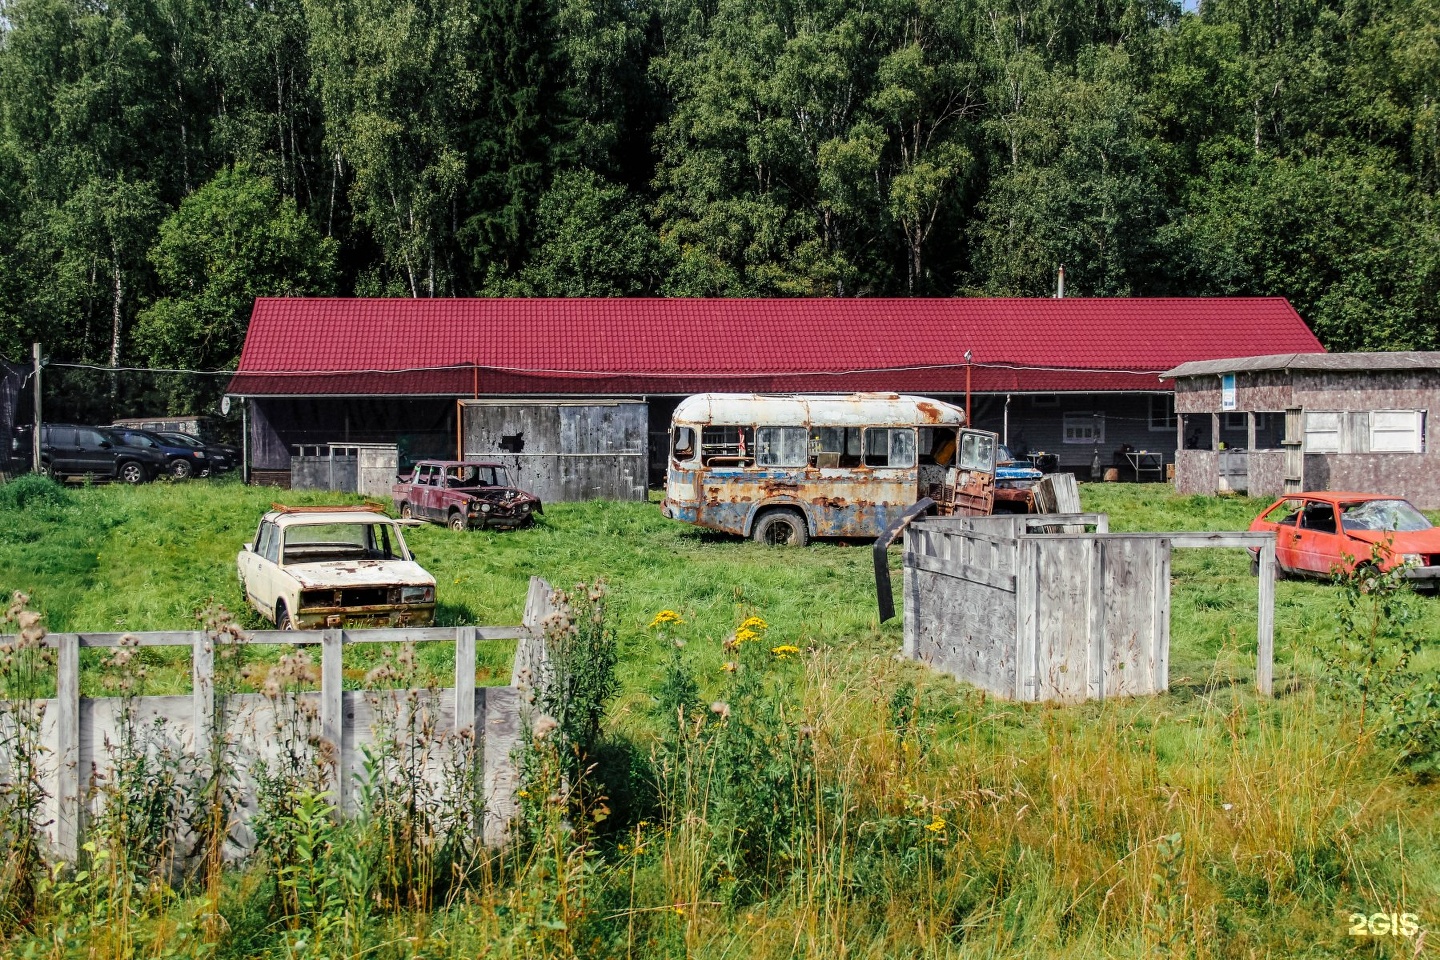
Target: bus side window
<point>937,446</point>
<point>780,446</point>
<point>889,447</point>
<point>835,446</point>
<point>683,444</point>
<point>727,446</point>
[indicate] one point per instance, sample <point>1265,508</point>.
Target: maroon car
<point>463,494</point>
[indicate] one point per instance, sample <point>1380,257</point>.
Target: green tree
<point>591,241</point>
<point>234,239</point>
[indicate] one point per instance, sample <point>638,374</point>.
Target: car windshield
<point>137,440</point>
<point>182,440</point>
<point>1002,454</point>
<point>474,476</point>
<point>1389,515</point>
<point>323,542</point>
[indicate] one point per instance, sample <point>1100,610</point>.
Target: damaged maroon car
<point>464,495</point>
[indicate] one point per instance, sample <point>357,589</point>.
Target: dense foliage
<point>163,161</point>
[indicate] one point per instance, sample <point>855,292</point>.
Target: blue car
<point>182,462</point>
<point>1013,482</point>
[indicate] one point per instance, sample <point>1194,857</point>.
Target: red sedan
<point>1321,534</point>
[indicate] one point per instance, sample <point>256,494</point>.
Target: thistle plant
<point>26,671</point>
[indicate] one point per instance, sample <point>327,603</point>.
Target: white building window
<point>1085,428</point>
<point>1397,431</point>
<point>1322,433</point>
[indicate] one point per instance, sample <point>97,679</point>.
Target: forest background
<point>162,162</point>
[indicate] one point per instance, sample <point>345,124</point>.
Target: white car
<point>316,567</point>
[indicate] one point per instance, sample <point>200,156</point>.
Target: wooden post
<point>202,686</point>
<point>67,697</point>
<point>332,719</point>
<point>465,680</point>
<point>1265,622</point>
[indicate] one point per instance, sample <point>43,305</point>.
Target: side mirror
<point>106,444</point>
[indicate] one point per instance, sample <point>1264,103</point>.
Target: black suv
<point>68,450</point>
<point>182,461</point>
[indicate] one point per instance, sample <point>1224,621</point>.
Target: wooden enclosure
<point>484,722</point>
<point>562,451</point>
<point>1034,615</point>
<point>365,468</point>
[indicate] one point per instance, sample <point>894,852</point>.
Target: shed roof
<point>1364,362</point>
<point>588,347</point>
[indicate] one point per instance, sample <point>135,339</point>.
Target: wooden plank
<point>465,680</point>
<point>1061,647</point>
<point>1161,617</point>
<point>1265,627</point>
<point>1129,617</point>
<point>67,774</point>
<point>1189,541</point>
<point>1026,678</point>
<point>182,638</point>
<point>990,578</point>
<point>1095,617</point>
<point>332,717</point>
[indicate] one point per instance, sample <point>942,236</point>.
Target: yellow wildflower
<point>784,651</point>
<point>664,617</point>
<point>745,635</point>
<point>936,825</point>
<point>754,623</point>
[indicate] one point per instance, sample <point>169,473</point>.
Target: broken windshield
<point>1388,515</point>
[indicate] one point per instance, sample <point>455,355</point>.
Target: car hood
<point>1416,541</point>
<point>1015,470</point>
<point>358,573</point>
<point>496,494</point>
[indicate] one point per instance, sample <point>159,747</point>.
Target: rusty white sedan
<point>316,567</point>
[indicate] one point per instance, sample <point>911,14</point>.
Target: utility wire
<point>546,371</point>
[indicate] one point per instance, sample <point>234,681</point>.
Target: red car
<point>463,494</point>
<point>1320,534</point>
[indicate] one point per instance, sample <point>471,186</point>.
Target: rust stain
<point>928,411</point>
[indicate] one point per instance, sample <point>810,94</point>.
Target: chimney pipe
<point>1060,283</point>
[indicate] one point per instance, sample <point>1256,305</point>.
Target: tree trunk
<point>115,316</point>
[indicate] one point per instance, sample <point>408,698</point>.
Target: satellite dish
<point>225,405</point>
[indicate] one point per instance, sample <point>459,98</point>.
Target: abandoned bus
<point>785,468</point>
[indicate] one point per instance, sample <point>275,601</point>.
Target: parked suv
<point>182,461</point>
<point>69,450</point>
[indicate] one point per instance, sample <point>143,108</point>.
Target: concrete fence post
<point>332,716</point>
<point>67,726</point>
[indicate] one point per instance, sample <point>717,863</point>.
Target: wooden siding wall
<point>77,731</point>
<point>570,451</point>
<point>1036,427</point>
<point>1352,393</point>
<point>420,427</point>
<point>1052,617</point>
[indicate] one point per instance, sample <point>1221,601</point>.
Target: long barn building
<point>569,384</point>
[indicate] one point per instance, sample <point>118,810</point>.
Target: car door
<point>1283,520</point>
<point>59,448</point>
<point>94,452</point>
<point>260,564</point>
<point>1319,545</point>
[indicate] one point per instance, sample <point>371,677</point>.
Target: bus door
<point>970,483</point>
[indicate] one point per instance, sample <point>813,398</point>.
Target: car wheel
<point>781,528</point>
<point>283,620</point>
<point>181,469</point>
<point>51,471</point>
<point>457,520</point>
<point>407,512</point>
<point>132,472</point>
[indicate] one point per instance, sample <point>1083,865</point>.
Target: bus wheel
<point>781,528</point>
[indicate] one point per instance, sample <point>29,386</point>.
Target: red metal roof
<point>302,346</point>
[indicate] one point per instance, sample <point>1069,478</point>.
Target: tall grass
<point>770,781</point>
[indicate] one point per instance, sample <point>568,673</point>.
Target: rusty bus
<point>785,468</point>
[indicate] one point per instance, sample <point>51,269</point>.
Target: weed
<point>26,666</point>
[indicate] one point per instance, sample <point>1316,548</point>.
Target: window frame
<point>1169,420</point>
<point>1416,431</point>
<point>1093,418</point>
<point>1308,431</point>
<point>763,445</point>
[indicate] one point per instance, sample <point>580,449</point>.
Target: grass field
<point>1207,822</point>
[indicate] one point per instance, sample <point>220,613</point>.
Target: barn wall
<point>564,451</point>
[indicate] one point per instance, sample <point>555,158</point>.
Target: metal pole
<point>1005,438</point>
<point>244,439</point>
<point>35,437</point>
<point>969,413</point>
